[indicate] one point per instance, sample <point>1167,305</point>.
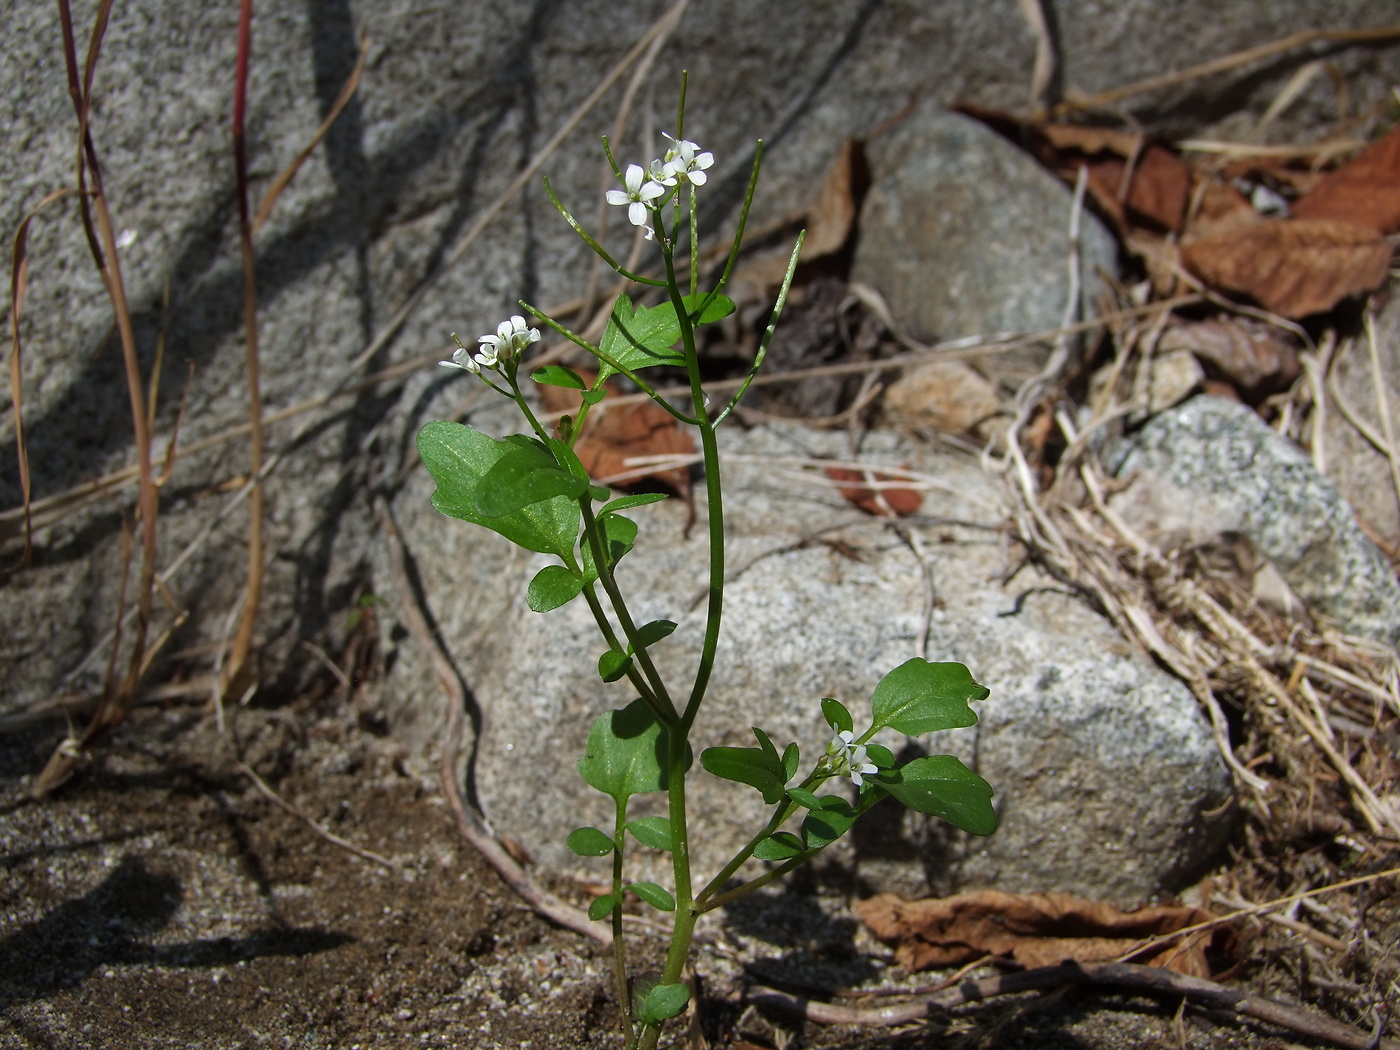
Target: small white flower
<point>683,162</point>
<point>848,759</point>
<point>640,189</point>
<point>511,338</point>
<point>461,358</point>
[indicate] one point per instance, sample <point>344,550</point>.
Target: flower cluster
<point>682,163</point>
<point>847,759</point>
<point>509,341</point>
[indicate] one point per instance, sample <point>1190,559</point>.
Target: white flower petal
<point>637,213</point>
<point>618,197</point>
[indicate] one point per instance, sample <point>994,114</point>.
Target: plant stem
<point>624,618</point>
<point>624,1002</point>
<point>686,912</point>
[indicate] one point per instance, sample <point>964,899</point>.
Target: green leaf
<point>590,842</point>
<point>654,895</point>
<point>824,826</point>
<point>760,767</point>
<point>804,798</point>
<point>639,337</point>
<point>552,587</point>
<point>941,786</point>
<point>648,634</point>
<point>781,846</point>
<point>613,665</point>
<point>626,753</point>
<point>792,758</point>
<point>920,697</point>
<point>602,907</point>
<point>458,457</point>
<point>641,499</point>
<point>880,755</point>
<point>663,1002</point>
<point>526,474</point>
<point>558,375</point>
<point>652,831</point>
<point>836,715</point>
<point>720,307</point>
<point>592,397</point>
<point>618,535</point>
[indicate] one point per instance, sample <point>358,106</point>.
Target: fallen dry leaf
<point>877,501</point>
<point>1158,180</point>
<point>1293,267</point>
<point>833,216</point>
<point>1364,191</point>
<point>1035,929</point>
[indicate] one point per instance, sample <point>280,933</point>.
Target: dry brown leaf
<point>1220,208</point>
<point>1253,358</point>
<point>831,219</point>
<point>1365,191</point>
<point>1035,929</point>
<point>1158,180</point>
<point>901,501</point>
<point>617,434</point>
<point>1293,267</point>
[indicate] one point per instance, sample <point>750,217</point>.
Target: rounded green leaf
<point>618,535</point>
<point>804,798</point>
<point>590,842</point>
<point>553,586</point>
<point>663,1002</point>
<point>825,825</point>
<point>652,831</point>
<point>836,715</point>
<point>942,786</point>
<point>920,697</point>
<point>654,895</point>
<point>792,758</point>
<point>717,309</point>
<point>558,375</point>
<point>592,397</point>
<point>757,767</point>
<point>779,846</point>
<point>650,633</point>
<point>613,664</point>
<point>602,907</point>
<point>639,500</point>
<point>524,476</point>
<point>458,457</point>
<point>626,753</point>
<point>880,755</point>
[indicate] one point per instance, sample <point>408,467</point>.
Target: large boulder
<point>965,233</point>
<point>1212,466</point>
<point>453,101</point>
<point>1104,769</point>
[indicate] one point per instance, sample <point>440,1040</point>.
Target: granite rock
<point>1104,768</point>
<point>965,233</point>
<point>1211,466</point>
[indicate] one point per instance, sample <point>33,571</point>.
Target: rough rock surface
<point>1362,473</point>
<point>965,233</point>
<point>1212,465</point>
<point>1102,765</point>
<point>453,102</point>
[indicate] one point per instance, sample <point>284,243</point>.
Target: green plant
<point>532,489</point>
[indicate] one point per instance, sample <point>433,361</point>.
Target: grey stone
<point>1212,465</point>
<point>1361,472</point>
<point>1104,768</point>
<point>965,233</point>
